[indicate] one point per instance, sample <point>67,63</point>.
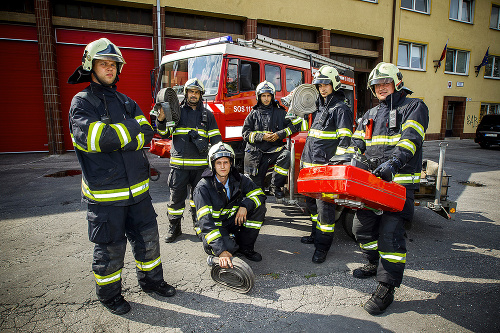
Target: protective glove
<point>388,169</point>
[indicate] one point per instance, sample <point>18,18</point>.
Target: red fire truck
<point>230,72</point>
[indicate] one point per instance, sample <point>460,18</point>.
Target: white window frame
<point>491,108</point>
<point>460,6</point>
<point>494,60</point>
<point>455,62</point>
<point>410,48</point>
<point>372,1</point>
<point>495,25</point>
<point>416,10</point>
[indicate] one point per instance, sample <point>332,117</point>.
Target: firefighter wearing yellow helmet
<point>329,135</point>
<point>264,130</point>
<point>398,123</point>
<point>101,49</point>
<point>109,132</point>
<point>230,208</point>
<point>191,137</point>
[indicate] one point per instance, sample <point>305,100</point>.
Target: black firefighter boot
<point>366,271</point>
<point>380,300</point>
<point>174,231</point>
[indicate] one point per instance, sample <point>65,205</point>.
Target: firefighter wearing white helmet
<point>329,135</point>
<point>191,137</point>
<point>399,124</point>
<point>230,208</point>
<point>264,130</point>
<point>109,132</point>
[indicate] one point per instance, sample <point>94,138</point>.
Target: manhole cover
<point>65,173</point>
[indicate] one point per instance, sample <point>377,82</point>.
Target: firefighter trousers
<point>325,225</point>
<point>178,181</point>
<point>381,238</point>
<point>109,228</point>
<point>241,237</point>
<point>280,163</point>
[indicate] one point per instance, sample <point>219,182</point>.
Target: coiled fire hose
<point>240,278</point>
<point>302,100</point>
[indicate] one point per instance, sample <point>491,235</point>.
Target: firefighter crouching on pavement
<point>230,208</point>
<point>188,157</point>
<point>264,129</point>
<point>109,132</point>
<point>329,135</point>
<point>398,129</point>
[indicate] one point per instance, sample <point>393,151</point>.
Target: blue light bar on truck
<point>213,41</point>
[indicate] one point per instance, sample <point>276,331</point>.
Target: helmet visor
<point>220,154</point>
<point>382,80</point>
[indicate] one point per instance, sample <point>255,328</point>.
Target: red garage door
<point>134,80</point>
<point>23,126</point>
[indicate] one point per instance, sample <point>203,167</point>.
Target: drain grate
<point>469,183</point>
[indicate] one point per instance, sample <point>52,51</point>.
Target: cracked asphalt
<point>451,283</point>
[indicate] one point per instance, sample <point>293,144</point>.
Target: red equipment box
<point>351,186</point>
<point>161,147</point>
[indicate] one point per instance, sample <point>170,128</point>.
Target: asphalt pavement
<point>451,283</point>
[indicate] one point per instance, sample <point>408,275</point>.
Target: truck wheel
<point>346,219</point>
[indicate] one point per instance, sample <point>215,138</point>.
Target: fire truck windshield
<point>205,68</point>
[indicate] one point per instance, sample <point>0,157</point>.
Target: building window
<point>373,1</point>
<point>287,33</point>
<point>488,108</point>
<point>411,55</point>
<point>494,21</point>
<point>203,23</point>
<point>457,62</point>
<point>491,70</point>
<point>416,5</point>
<point>101,12</point>
<point>462,10</point>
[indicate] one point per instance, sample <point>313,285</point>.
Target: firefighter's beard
<point>193,101</point>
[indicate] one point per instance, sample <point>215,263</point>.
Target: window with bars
<point>462,10</point>
<point>411,55</point>
<point>416,5</point>
<point>491,70</point>
<point>457,62</point>
<point>494,20</point>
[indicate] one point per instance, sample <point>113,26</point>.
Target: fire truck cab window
<point>294,78</point>
<point>249,75</point>
<point>273,75</point>
<point>205,68</point>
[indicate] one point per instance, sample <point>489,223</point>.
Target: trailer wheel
<point>346,219</point>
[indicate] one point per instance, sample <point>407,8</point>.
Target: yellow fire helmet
<point>327,75</point>
<point>385,72</point>
<point>102,49</point>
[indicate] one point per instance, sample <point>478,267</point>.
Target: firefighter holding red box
<point>330,135</point>
<point>392,134</point>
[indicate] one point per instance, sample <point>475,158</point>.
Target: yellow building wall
<point>375,21</point>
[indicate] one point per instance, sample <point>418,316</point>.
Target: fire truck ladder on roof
<point>276,46</point>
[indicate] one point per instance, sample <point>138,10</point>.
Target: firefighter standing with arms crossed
<point>264,129</point>
<point>188,157</point>
<point>228,203</point>
<point>398,126</point>
<point>329,135</point>
<point>109,131</point>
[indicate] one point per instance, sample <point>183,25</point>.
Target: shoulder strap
<point>90,97</point>
<point>125,101</point>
